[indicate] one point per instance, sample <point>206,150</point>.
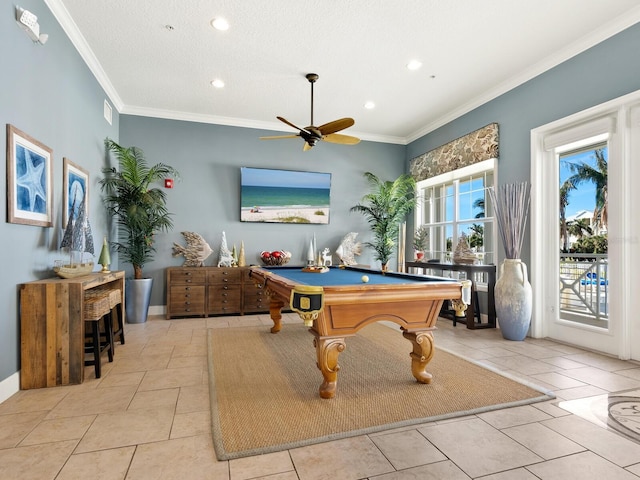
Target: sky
<point>583,198</point>
<point>284,178</point>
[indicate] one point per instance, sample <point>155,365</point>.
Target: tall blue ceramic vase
<point>513,299</point>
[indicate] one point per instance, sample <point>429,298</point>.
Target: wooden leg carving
<point>421,355</point>
<point>275,310</point>
<point>327,350</point>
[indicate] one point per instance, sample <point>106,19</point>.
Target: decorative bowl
<point>275,258</point>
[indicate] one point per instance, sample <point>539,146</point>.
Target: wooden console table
<point>52,328</point>
<point>490,270</point>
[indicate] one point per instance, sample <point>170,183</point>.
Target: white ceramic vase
<point>513,299</point>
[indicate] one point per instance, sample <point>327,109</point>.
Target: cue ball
<point>365,279</point>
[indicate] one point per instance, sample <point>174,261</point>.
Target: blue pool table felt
<point>349,276</point>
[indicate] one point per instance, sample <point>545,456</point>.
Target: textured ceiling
<point>471,51</point>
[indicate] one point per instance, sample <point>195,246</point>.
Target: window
<point>456,203</point>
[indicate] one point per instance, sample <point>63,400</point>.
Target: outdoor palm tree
<point>476,238</point>
<point>597,175</point>
<point>385,209</point>
<point>565,188</point>
<point>578,228</point>
<point>479,204</point>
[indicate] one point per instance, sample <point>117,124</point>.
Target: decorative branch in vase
<point>513,295</point>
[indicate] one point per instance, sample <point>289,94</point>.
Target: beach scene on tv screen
<point>284,196</point>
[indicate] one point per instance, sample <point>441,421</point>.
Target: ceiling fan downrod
<point>312,77</point>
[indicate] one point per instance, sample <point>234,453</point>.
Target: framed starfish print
<point>29,180</point>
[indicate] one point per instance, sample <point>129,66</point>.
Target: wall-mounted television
<point>284,196</point>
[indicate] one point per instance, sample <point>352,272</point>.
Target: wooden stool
<point>115,304</point>
<point>96,308</point>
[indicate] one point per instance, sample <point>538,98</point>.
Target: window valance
<point>474,147</point>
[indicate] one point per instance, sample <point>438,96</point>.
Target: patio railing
<point>584,288</point>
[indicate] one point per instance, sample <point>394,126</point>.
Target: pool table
<point>338,303</point>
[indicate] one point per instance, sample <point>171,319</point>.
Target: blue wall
<point>49,93</point>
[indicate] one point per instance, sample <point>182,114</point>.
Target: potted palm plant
<point>385,209</point>
<point>421,241</point>
<point>140,211</point>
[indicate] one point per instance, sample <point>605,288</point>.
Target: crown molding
<point>63,17</point>
<point>239,122</point>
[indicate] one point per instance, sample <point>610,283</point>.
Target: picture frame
<point>29,180</point>
<point>284,196</point>
<point>75,181</point>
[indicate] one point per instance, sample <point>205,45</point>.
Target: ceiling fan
<point>327,132</point>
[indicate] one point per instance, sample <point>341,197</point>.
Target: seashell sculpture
<point>226,257</point>
<point>463,253</point>
<point>196,251</point>
<point>348,249</point>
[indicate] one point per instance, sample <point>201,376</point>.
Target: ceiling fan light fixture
<point>220,23</point>
<point>326,132</point>
<point>414,65</point>
<point>369,105</point>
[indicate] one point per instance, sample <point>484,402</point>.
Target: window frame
<point>445,180</point>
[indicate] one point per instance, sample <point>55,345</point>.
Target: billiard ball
<point>365,279</point>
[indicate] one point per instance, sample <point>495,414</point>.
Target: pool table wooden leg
<point>275,311</point>
<point>327,350</point>
<point>421,355</point>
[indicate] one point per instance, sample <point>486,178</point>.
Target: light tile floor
<point>148,418</point>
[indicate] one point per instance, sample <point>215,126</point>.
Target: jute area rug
<point>264,389</point>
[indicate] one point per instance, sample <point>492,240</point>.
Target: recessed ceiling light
<point>414,65</point>
<point>369,105</point>
<point>220,24</point>
<point>217,83</point>
<point>169,27</point>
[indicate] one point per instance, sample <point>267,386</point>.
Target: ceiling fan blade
<point>341,139</point>
<point>276,137</point>
<point>284,120</point>
<point>336,126</point>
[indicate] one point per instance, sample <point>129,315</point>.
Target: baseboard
<point>9,386</point>
<point>157,310</point>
